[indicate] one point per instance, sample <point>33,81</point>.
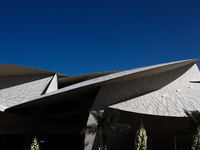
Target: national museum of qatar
<point>55,107</point>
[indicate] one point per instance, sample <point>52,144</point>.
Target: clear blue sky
<point>85,36</point>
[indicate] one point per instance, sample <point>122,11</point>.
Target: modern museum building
<point>55,107</point>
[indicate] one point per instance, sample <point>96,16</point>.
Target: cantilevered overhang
<point>74,90</point>
<point>15,70</point>
<point>70,80</point>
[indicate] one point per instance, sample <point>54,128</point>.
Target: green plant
<point>141,139</point>
<point>105,125</point>
<point>196,141</point>
<point>34,145</point>
<point>193,119</point>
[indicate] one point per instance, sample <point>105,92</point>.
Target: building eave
<point>87,85</point>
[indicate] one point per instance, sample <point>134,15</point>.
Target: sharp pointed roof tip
<point>194,60</point>
<point>197,59</point>
<point>18,70</point>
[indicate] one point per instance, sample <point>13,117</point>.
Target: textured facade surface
<point>55,106</point>
<point>19,89</point>
<point>165,94</point>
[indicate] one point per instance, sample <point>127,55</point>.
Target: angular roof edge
<point>16,70</point>
<point>111,78</point>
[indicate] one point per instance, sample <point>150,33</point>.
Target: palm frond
<point>90,129</point>
<point>193,118</point>
<point>119,128</point>
<point>105,123</point>
<point>111,116</point>
<point>97,115</point>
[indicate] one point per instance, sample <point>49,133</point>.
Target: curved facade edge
<point>164,94</point>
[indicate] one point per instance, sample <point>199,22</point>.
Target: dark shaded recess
<point>59,123</point>
<point>55,141</point>
<point>64,107</point>
<point>160,132</point>
<point>64,113</point>
<point>13,141</point>
<point>194,81</point>
<point>61,141</point>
